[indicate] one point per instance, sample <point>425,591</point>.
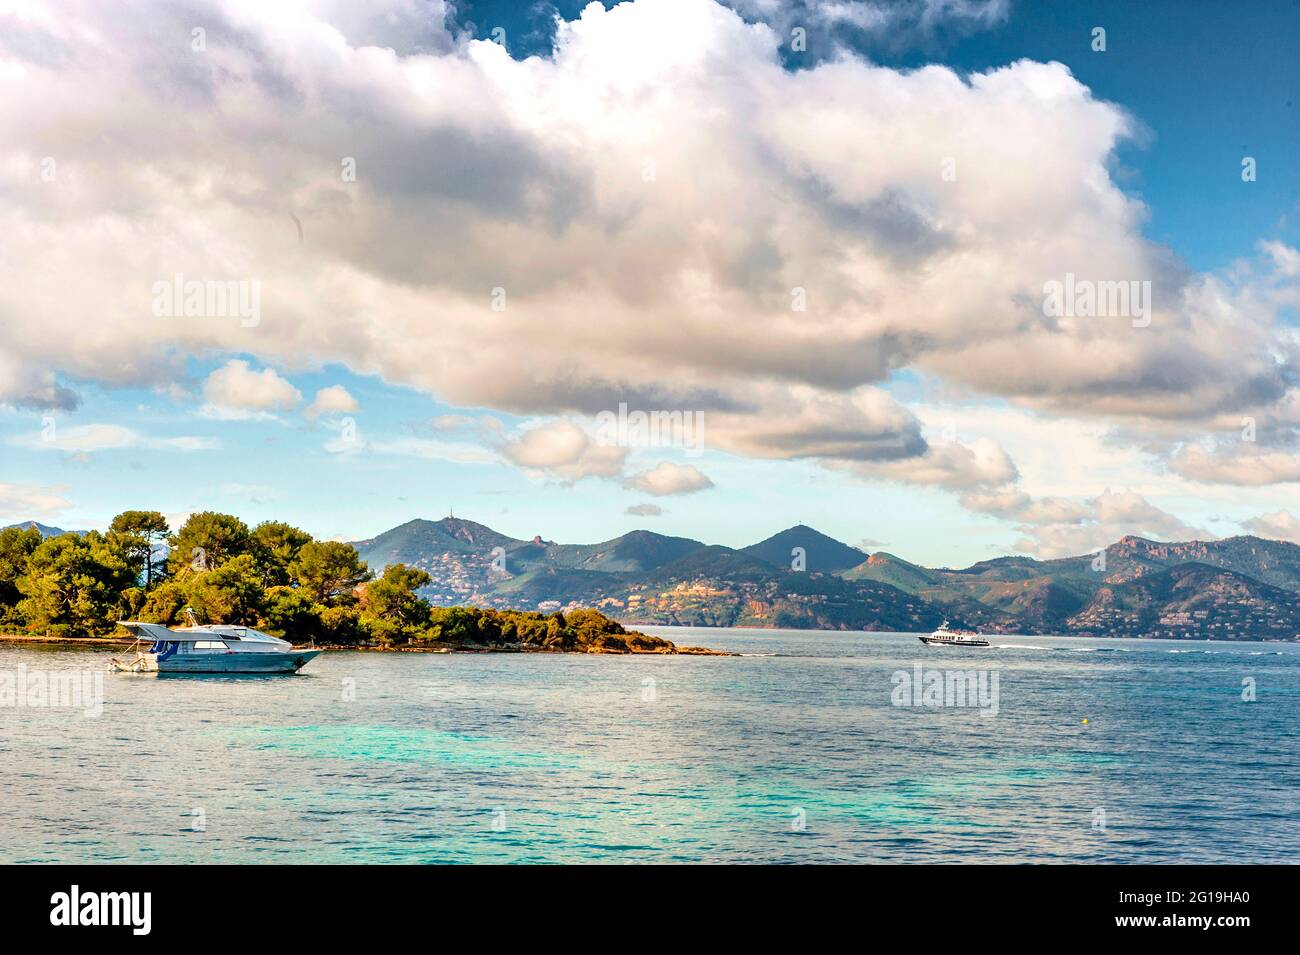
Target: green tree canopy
<point>329,571</point>
<point>165,603</point>
<point>140,534</point>
<point>290,613</point>
<point>276,546</point>
<point>206,541</point>
<point>16,546</point>
<point>391,609</point>
<point>232,593</point>
<point>456,623</point>
<point>74,584</point>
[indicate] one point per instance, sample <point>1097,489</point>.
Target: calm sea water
<point>791,753</point>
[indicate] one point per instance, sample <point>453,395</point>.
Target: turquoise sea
<point>793,752</point>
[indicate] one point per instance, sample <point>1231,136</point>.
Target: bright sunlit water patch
<point>790,753</point>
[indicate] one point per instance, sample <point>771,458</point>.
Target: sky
<point>948,278</point>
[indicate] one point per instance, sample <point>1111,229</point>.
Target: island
<point>480,630</point>
<point>74,587</point>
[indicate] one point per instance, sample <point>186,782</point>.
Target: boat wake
<point>1031,646</point>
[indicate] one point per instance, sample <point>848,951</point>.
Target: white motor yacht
<point>946,636</point>
<point>210,648</point>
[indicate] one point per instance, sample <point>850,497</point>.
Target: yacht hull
<point>288,662</point>
<point>949,642</point>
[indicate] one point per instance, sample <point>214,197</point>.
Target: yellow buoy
<point>1085,721</point>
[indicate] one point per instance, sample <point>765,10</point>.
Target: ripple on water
<point>792,753</point>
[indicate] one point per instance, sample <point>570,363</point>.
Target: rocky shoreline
<point>644,645</point>
<point>80,641</point>
<point>526,648</point>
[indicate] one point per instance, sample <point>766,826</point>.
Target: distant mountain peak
<point>1133,542</point>
<point>467,530</point>
<point>417,540</point>
<point>45,529</point>
<point>821,552</point>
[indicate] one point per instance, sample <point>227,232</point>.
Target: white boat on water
<point>210,648</point>
<point>947,636</point>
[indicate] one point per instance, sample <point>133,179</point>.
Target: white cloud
<point>176,519</point>
<point>1107,517</point>
<point>802,421</point>
<point>211,412</point>
<point>1234,466</point>
<point>89,438</point>
<point>252,493</point>
<point>1014,504</point>
<point>980,464</point>
<point>452,422</point>
<point>667,478</point>
<point>561,449</point>
<point>235,387</point>
<point>1279,525</point>
<point>901,22</point>
<point>1286,260</point>
<point>349,441</point>
<point>557,449</point>
<point>458,452</point>
<point>656,199</point>
<point>645,510</point>
<point>23,502</point>
<point>332,400</point>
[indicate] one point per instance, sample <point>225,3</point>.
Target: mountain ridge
<point>45,529</point>
<point>643,577</point>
